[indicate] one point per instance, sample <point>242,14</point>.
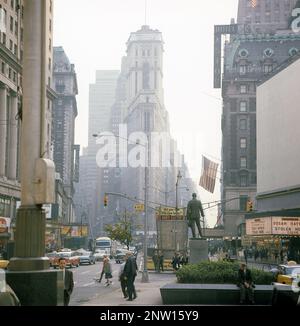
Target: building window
<point>14,77</point>
<point>143,53</point>
<point>3,68</point>
<point>243,106</point>
<point>244,180</point>
<point>15,50</point>
<point>11,25</point>
<point>4,39</point>
<point>243,143</point>
<point>11,44</point>
<point>268,68</point>
<point>243,53</point>
<point>50,44</point>
<point>136,52</point>
<point>148,53</point>
<point>9,73</point>
<point>243,162</point>
<point>243,70</point>
<point>243,89</point>
<point>12,4</point>
<point>16,28</point>
<point>22,34</point>
<point>50,25</point>
<point>268,52</point>
<point>243,124</point>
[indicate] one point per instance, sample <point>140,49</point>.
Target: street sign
<point>139,208</point>
<point>169,213</point>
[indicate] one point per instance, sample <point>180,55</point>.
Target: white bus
<point>105,245</point>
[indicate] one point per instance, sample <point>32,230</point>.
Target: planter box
<point>211,294</point>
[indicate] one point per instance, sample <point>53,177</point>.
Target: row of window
<point>12,47</point>
<point>8,72</point>
<point>145,52</point>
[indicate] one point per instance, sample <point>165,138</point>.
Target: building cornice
<point>10,58</point>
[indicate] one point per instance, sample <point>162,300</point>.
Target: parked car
<point>87,258</point>
<point>286,274</point>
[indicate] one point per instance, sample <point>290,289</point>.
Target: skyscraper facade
<point>249,56</point>
<point>64,115</point>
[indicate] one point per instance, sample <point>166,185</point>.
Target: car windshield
<point>65,254</point>
<point>293,270</point>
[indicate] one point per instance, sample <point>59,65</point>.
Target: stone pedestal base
<point>198,250</point>
<point>37,288</point>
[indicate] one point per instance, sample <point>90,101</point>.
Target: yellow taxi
<point>4,263</point>
<point>288,273</point>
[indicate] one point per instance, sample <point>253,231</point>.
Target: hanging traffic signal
<point>249,205</point>
<point>105,200</point>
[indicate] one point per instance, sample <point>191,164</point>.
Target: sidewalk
<point>148,294</point>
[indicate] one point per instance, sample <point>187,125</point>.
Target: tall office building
<point>64,114</point>
<point>249,56</point>
<point>11,61</point>
<point>101,98</point>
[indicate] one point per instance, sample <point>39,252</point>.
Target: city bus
<point>105,244</point>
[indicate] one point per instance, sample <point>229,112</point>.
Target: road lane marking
<point>88,284</point>
<point>86,272</point>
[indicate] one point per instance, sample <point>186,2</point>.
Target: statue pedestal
<point>198,250</point>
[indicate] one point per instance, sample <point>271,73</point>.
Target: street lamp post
<point>179,176</point>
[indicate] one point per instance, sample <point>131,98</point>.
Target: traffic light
<point>105,200</point>
<point>249,205</point>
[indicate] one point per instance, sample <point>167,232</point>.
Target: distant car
<point>52,256</point>
<point>286,274</point>
<point>120,255</point>
<point>87,258</point>
<point>71,261</point>
<point>99,254</point>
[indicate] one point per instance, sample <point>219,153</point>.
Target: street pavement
<point>89,292</point>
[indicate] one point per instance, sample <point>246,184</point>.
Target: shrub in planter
<point>218,273</point>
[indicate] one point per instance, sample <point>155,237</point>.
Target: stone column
<point>13,137</point>
<point>3,128</point>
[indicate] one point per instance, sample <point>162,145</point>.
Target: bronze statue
<point>194,209</point>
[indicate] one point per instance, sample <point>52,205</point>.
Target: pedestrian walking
<point>130,272</point>
<point>68,280</point>
<point>160,261</point>
<point>176,261</point>
<point>122,278</point>
<point>107,271</point>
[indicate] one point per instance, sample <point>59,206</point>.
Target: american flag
<point>253,3</point>
<point>209,174</point>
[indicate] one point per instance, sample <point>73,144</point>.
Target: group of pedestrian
<point>158,261</point>
<point>127,273</point>
<point>179,260</point>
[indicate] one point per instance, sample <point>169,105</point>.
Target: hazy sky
<point>94,34</point>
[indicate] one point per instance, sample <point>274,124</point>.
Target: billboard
<point>169,213</point>
<point>75,231</point>
<point>275,225</point>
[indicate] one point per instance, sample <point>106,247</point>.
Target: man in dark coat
<point>130,272</point>
<point>245,283</point>
<point>194,209</point>
<point>68,281</point>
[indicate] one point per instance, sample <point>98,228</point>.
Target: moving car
<point>71,261</point>
<point>120,255</point>
<point>100,253</point>
<point>87,258</point>
<point>286,274</point>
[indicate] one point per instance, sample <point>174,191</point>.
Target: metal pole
<point>145,276</point>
